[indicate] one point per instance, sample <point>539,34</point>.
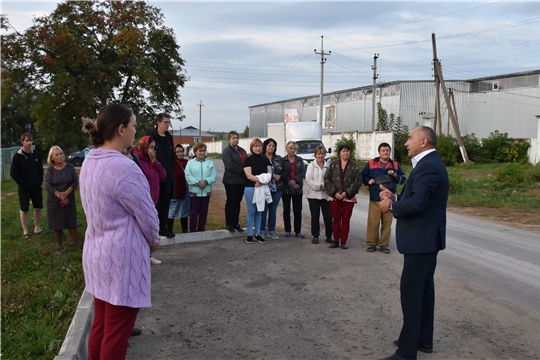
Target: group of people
<point>127,190</point>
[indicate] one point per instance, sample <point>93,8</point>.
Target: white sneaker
<point>154,261</point>
<point>273,235</point>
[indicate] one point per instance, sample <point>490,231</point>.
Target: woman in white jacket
<point>317,196</point>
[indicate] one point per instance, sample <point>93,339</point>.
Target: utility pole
<point>200,105</point>
<point>374,98</point>
<point>437,120</point>
<point>323,60</point>
<point>455,124</point>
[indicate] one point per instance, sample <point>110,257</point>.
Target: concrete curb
<point>75,345</point>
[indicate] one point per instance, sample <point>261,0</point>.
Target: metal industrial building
<point>508,103</point>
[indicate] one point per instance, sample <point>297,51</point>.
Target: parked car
<point>77,158</point>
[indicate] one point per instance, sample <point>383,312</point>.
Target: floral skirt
<point>179,208</point>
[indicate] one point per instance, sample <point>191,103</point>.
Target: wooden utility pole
<point>200,105</point>
<point>437,116</point>
<point>321,94</point>
<point>374,98</point>
<point>455,124</point>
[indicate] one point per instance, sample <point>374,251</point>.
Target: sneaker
<point>329,240</point>
<point>230,228</point>
<point>249,239</point>
<point>166,233</point>
<point>371,248</point>
<point>300,235</point>
<point>334,245</point>
<point>344,246</point>
<point>315,240</point>
<point>260,239</point>
<point>273,235</point>
<point>154,261</point>
<point>238,228</point>
<point>287,234</point>
<point>384,249</point>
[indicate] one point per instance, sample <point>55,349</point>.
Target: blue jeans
<point>253,216</point>
<point>271,210</point>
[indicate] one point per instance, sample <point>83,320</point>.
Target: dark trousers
<point>165,188</point>
<point>234,193</point>
<point>110,331</point>
<point>417,303</point>
<point>297,212</point>
<point>341,214</point>
<point>183,223</point>
<point>315,208</point>
<point>198,212</point>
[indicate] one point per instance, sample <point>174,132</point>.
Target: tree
<point>245,134</point>
<point>88,54</point>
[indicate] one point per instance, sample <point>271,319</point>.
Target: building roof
<point>190,131</point>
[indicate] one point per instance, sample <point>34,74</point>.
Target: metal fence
<point>7,156</point>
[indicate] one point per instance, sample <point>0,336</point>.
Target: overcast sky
<point>240,54</point>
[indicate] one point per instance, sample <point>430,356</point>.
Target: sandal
<point>38,232</point>
<point>26,236</point>
<point>59,250</point>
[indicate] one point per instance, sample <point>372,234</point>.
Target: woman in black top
<point>255,164</point>
<point>233,157</point>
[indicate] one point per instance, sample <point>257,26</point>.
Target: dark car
<point>77,158</point>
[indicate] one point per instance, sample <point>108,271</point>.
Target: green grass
<point>40,289</point>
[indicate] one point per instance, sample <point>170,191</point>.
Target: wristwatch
<point>390,207</point>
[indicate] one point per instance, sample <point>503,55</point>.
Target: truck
<point>307,136</point>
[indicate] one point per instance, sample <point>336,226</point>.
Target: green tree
<point>245,134</point>
<point>382,116</point>
<point>87,54</point>
<point>344,139</point>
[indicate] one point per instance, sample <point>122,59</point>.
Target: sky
<point>241,54</point>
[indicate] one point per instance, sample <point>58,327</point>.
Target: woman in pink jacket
<point>122,229</point>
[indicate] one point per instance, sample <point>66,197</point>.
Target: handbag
<point>385,181</point>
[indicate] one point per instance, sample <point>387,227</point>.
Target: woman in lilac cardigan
<point>122,230</point>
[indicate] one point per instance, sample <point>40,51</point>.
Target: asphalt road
<point>290,299</point>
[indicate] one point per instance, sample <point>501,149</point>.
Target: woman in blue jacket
<point>200,175</point>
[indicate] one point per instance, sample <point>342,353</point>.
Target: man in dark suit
<point>420,211</point>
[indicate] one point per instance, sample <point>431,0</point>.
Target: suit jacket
<point>421,208</point>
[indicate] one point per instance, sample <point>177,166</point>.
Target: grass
<point>40,289</point>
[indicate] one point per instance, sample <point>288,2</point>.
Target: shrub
<point>475,151</point>
<point>456,182</point>
<point>347,139</point>
<point>448,149</point>
<point>511,173</point>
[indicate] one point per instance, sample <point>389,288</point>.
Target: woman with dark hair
<point>342,181</point>
<point>256,167</point>
<point>316,195</point>
<point>122,229</point>
<point>179,208</point>
<point>276,187</point>
<point>60,182</point>
<point>200,175</point>
<point>293,175</point>
<point>233,157</point>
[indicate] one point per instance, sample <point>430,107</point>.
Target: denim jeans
<point>271,210</point>
<point>253,216</point>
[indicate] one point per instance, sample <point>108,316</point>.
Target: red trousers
<point>341,217</point>
<point>110,331</point>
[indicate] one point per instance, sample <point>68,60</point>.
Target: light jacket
<point>315,180</point>
<point>122,223</point>
<point>200,170</point>
<point>262,194</point>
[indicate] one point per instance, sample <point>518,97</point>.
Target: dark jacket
<point>234,168</point>
<point>421,208</point>
<point>373,169</point>
<point>27,169</point>
<point>352,180</point>
<point>165,153</point>
<point>300,168</point>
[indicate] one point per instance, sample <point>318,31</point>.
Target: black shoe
<point>166,233</point>
<point>329,240</point>
<point>238,228</point>
<point>393,357</point>
<point>136,332</point>
<point>260,239</point>
<point>230,228</point>
<point>315,240</point>
<point>249,239</point>
<point>423,348</point>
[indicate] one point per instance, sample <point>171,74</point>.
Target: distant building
<point>189,135</point>
<point>508,103</point>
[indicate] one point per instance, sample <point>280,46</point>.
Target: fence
<point>7,156</point>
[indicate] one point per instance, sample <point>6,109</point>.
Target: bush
<point>511,173</point>
<point>347,139</point>
<point>475,151</point>
<point>456,182</point>
<point>499,148</point>
<point>448,150</point>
